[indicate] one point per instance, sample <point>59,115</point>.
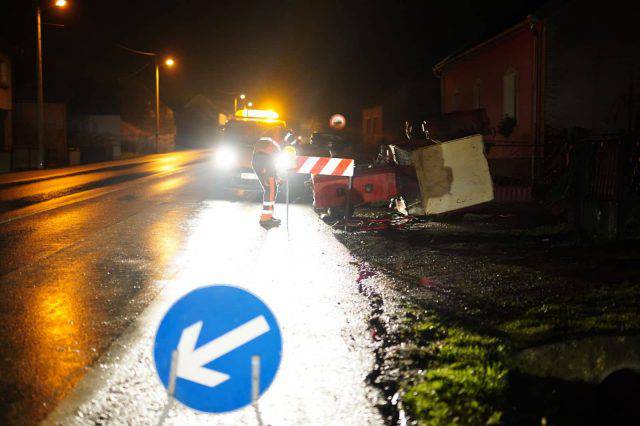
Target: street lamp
<point>169,62</point>
<point>40,102</point>
<point>250,104</point>
<point>235,101</point>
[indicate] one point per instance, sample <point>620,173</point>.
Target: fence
<point>597,177</point>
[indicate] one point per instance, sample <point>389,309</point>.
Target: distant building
<point>198,121</point>
<point>386,122</point>
<point>138,112</point>
<point>372,126</point>
<point>98,137</point>
<point>25,136</point>
<point>6,108</point>
<point>575,65</point>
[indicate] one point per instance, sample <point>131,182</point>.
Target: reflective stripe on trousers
<point>263,165</point>
<point>268,199</point>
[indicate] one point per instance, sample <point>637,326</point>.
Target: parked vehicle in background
<point>234,148</point>
<point>329,144</point>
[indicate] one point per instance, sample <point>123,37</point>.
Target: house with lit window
<point>500,76</point>
<point>574,65</point>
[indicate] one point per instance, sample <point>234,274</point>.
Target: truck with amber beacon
<point>234,148</point>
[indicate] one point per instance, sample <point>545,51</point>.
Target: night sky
<point>302,57</point>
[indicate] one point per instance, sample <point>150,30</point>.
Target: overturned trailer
<point>442,177</point>
<point>453,175</point>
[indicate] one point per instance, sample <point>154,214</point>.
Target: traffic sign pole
<point>347,214</point>
<point>287,197</point>
<point>173,373</point>
<point>255,379</point>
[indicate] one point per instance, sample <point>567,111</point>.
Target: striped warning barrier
<point>324,166</point>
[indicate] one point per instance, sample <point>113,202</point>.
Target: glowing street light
<point>40,94</point>
<point>249,104</point>
<point>169,62</point>
<point>235,101</point>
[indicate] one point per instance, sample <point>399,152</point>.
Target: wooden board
<point>453,175</point>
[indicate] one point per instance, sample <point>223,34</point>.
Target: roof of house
<point>437,68</point>
<point>549,8</point>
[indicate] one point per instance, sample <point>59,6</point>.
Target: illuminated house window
<point>477,93</point>
<point>509,93</point>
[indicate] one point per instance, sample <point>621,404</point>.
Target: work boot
<point>270,223</point>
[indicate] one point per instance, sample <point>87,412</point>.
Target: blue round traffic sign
<point>213,334</point>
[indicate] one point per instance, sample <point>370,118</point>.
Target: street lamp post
<point>40,105</point>
<point>235,102</point>
<point>157,104</point>
<point>168,62</point>
<point>40,94</point>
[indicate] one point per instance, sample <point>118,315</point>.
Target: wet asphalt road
<point>87,273</point>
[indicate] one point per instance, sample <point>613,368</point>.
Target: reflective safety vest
<point>266,145</point>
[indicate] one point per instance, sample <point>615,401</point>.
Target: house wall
<point>55,131</point>
<point>592,68</point>
<point>6,107</point>
<point>475,80</point>
<point>97,136</point>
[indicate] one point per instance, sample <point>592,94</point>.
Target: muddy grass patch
<point>472,299</point>
<point>462,377</point>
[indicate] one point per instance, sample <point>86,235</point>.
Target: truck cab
<point>234,148</point>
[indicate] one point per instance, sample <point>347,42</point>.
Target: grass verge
<point>463,379</point>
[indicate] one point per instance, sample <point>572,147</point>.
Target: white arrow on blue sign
<point>216,331</point>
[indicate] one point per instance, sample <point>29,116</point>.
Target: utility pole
<point>40,103</point>
<point>40,95</point>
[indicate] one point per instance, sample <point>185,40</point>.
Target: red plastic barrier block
<point>369,185</point>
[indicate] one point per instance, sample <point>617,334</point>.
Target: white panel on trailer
<point>453,175</point>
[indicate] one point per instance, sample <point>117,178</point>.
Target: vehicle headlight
<point>225,157</point>
<point>286,160</point>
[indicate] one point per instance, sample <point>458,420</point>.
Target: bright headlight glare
<point>225,157</point>
<point>286,160</point>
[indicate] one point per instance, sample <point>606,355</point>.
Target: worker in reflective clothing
<point>265,152</point>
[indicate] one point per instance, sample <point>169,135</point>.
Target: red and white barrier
<point>324,166</point>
